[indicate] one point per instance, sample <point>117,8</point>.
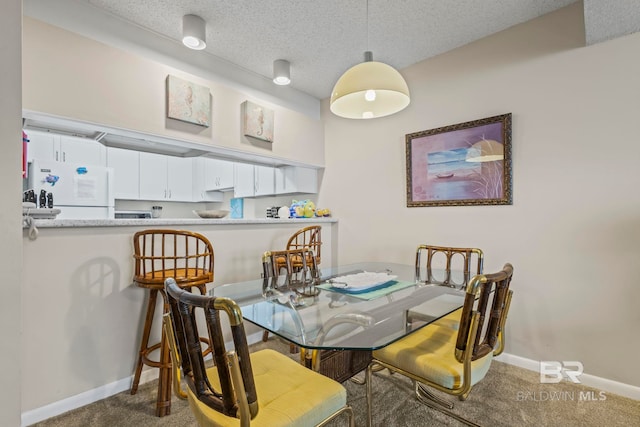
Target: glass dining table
<point>337,319</point>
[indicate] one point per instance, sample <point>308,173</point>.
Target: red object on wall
<point>25,139</point>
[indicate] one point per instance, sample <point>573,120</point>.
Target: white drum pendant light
<point>369,90</point>
<point>194,32</point>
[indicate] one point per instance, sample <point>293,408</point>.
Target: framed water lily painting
<point>459,165</point>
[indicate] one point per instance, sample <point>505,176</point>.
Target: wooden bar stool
<point>185,256</point>
<point>307,238</point>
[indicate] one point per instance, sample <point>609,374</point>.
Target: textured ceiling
<point>321,39</point>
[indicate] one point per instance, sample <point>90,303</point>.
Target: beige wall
<point>72,76</point>
<point>84,318</point>
<point>10,220</point>
<point>572,232</point>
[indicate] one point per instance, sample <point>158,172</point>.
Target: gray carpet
<point>508,396</point>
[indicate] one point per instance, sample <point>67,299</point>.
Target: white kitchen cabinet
<point>265,180</point>
<point>253,180</point>
<point>243,180</point>
<point>42,145</point>
<point>61,148</point>
<point>218,174</point>
<point>153,177</point>
<point>126,172</point>
<point>165,177</point>
<point>82,150</point>
<point>295,179</point>
<point>180,178</point>
<point>200,192</point>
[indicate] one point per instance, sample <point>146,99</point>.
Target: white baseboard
<point>90,396</point>
<point>599,383</point>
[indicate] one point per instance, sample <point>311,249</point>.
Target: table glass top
<point>318,314</point>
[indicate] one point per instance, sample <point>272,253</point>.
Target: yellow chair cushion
<point>430,353</point>
<point>451,320</point>
<point>288,394</point>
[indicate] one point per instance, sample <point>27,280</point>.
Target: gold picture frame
<point>464,164</point>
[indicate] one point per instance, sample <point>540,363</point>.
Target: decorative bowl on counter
<point>212,214</point>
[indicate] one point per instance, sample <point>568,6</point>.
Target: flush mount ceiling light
<point>194,32</point>
<point>369,90</point>
<point>281,72</point>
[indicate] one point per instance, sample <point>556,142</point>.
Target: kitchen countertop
<point>152,222</point>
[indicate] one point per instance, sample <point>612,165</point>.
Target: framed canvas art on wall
<point>257,121</point>
<point>463,164</point>
<point>188,102</point>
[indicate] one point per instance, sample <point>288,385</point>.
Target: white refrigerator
<point>80,191</point>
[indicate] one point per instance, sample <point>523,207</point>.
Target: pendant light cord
<point>368,56</point>
<point>367,24</point>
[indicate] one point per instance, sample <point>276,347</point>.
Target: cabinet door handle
<point>64,156</point>
<point>169,193</point>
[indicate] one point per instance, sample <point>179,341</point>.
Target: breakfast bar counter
<point>87,312</point>
<point>175,222</point>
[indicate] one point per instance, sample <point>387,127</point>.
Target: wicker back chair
<point>469,260</point>
<point>294,268</point>
<point>296,264</point>
<point>159,254</point>
<point>229,393</point>
<point>437,265</point>
<point>441,357</point>
<point>307,238</point>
